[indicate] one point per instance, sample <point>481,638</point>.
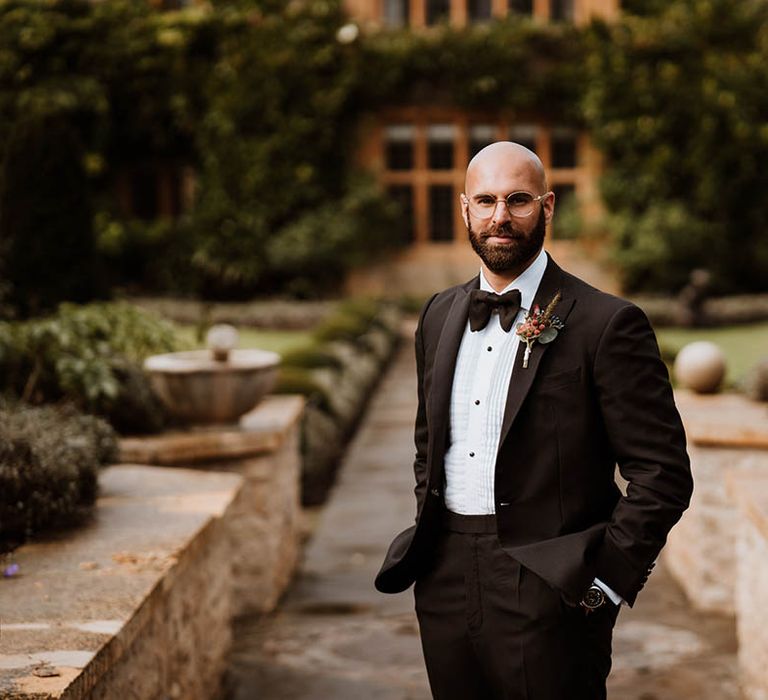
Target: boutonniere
<point>539,325</point>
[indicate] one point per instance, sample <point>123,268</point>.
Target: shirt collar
<point>527,282</point>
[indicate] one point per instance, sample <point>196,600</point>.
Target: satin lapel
<point>445,362</point>
<point>522,378</point>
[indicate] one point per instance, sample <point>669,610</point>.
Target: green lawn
<point>277,341</point>
<point>743,345</point>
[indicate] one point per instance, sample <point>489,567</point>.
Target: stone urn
<point>213,386</point>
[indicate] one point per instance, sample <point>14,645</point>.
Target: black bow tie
<point>482,304</point>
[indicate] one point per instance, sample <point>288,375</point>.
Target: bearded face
<point>517,248</point>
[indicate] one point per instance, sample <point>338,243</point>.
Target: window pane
<point>396,12</point>
<point>440,139</point>
<point>480,135</point>
<point>524,134</point>
<point>438,10</point>
<point>402,195</point>
<point>441,212</point>
<point>521,7</point>
<point>561,10</point>
<point>564,148</point>
<point>479,10</point>
<point>399,147</point>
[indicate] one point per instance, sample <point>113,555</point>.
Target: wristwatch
<point>593,599</point>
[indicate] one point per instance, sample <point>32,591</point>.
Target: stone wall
<point>138,603</point>
<point>701,550</point>
<point>725,433</point>
<point>750,491</point>
<point>264,526</point>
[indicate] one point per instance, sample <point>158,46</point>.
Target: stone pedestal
<point>750,492</point>
<point>726,432</point>
<point>265,529</point>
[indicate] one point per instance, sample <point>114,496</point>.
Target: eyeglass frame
<point>506,204</point>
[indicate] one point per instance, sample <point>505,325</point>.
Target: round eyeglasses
<point>519,204</point>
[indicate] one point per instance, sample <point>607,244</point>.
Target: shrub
<point>297,380</point>
<point>336,373</point>
<point>89,355</point>
<point>311,358</point>
<point>658,247</point>
<point>49,461</point>
<point>317,249</point>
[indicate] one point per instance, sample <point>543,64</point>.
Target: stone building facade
<point>419,154</point>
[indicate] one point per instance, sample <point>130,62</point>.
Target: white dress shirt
<point>478,398</point>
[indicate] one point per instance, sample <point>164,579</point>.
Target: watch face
<point>594,598</point>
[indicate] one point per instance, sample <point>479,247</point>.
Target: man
<point>532,386</point>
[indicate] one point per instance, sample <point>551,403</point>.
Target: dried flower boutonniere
<point>539,325</point>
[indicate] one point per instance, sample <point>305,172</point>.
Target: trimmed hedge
<point>337,374</point>
<point>49,462</point>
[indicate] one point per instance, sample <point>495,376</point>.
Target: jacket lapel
<point>522,378</point>
<point>445,363</point>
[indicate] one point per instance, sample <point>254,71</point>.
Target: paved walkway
<point>335,637</point>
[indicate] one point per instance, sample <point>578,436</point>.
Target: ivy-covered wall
<point>261,99</point>
<point>678,103</point>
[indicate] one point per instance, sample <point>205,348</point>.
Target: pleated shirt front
<point>480,383</point>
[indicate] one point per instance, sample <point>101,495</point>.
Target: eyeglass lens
<point>518,204</point>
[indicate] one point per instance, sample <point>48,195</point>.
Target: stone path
<point>334,637</point>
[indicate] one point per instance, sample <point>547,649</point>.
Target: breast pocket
<point>559,379</point>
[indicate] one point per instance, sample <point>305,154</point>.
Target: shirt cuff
<point>615,597</point>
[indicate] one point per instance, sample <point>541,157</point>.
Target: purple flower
<point>11,570</point>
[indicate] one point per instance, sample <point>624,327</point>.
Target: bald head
<point>505,162</point>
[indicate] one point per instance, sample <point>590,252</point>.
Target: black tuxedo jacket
<point>596,396</point>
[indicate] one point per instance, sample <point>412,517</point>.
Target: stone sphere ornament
<point>221,339</point>
<point>700,367</point>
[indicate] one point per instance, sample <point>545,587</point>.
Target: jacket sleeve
<point>647,437</point>
<point>421,428</point>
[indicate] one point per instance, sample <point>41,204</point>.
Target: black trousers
<point>493,630</point>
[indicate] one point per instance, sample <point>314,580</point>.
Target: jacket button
<point>435,492</point>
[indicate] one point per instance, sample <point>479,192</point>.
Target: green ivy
<point>517,64</point>
<point>678,104</point>
<point>263,100</point>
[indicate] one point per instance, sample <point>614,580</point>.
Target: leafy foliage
<point>89,356</point>
<point>678,103</point>
<point>262,100</point>
<point>49,461</point>
<point>516,64</point>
